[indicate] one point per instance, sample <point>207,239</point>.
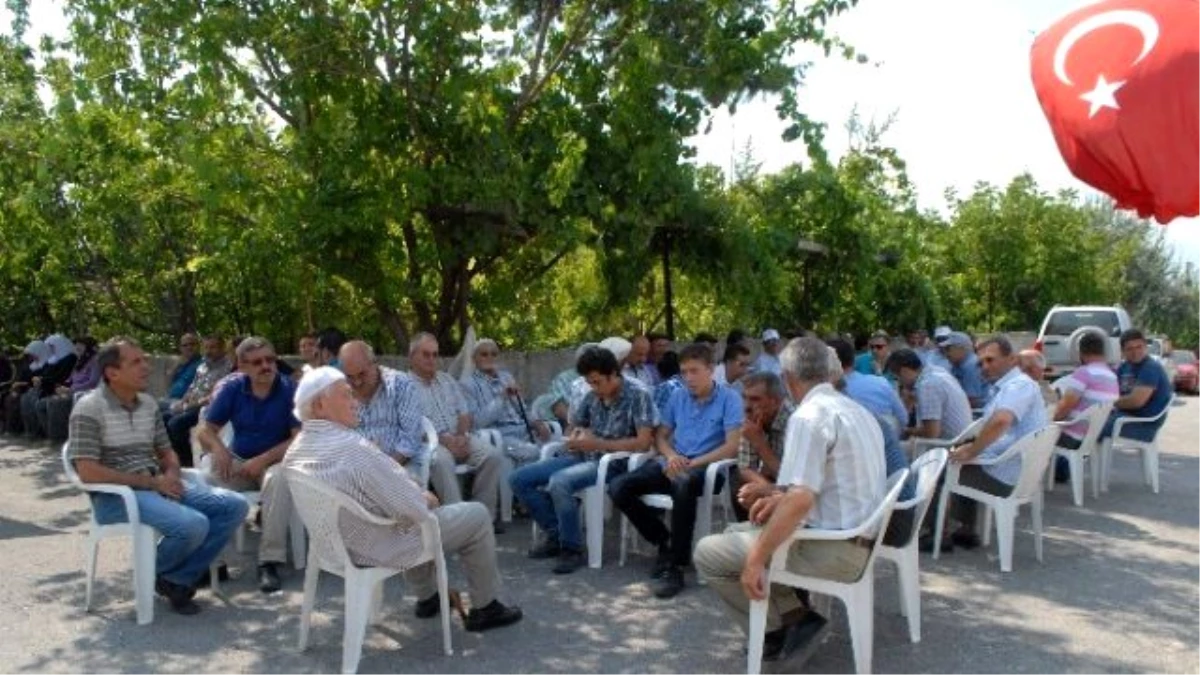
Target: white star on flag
<point>1103,96</point>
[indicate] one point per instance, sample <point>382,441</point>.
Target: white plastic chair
<point>431,445</point>
<point>918,445</point>
<point>319,506</point>
<point>1148,449</point>
<point>858,596</point>
<point>145,541</point>
<point>664,502</point>
<point>927,468</point>
<point>1095,417</point>
<point>1034,450</point>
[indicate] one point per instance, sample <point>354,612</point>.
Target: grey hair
<point>1002,343</point>
<point>252,344</point>
<point>766,379</point>
<point>417,340</point>
<point>806,359</point>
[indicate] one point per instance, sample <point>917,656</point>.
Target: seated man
<point>1145,389</point>
<point>964,366</point>
<point>329,343</point>
<point>184,371</point>
<point>942,409</point>
<point>636,364</point>
<point>1033,363</point>
<point>257,403</point>
<point>761,448</point>
<point>701,424</point>
<point>871,362</point>
<point>494,399</point>
<point>872,392</point>
<point>307,349</point>
<point>329,450</point>
<point>615,416</point>
<point>832,477</point>
<point>1015,411</point>
<point>442,401</point>
<point>1094,382</point>
<point>734,365</point>
<point>553,405</point>
<point>117,436</point>
<point>185,413</point>
<point>389,414</point>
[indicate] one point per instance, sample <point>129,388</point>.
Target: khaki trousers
<point>467,531</point>
<point>276,508</point>
<point>489,464</point>
<point>719,559</point>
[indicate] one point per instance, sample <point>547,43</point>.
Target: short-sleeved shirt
<point>392,418</point>
<point>940,397</point>
<point>932,356</point>
<point>442,401</point>
<point>700,426</point>
<point>208,374</point>
<point>664,390</point>
<point>259,424</point>
<point>1020,396</point>
<point>767,363</point>
<point>835,448</point>
<point>1148,373</point>
<point>182,378</point>
<point>558,392</point>
<point>646,373</point>
<point>121,438</point>
<point>876,395</point>
<point>633,409</point>
<point>748,458</point>
<point>1094,383</point>
<point>970,378</point>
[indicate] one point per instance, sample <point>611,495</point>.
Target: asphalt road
<point>1118,592</point>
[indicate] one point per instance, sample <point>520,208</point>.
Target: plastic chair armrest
<point>605,460</point>
<point>124,492</point>
<point>641,458</point>
<point>711,471</point>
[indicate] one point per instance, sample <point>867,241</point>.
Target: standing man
<point>832,478</point>
<point>389,414</point>
<point>768,360</point>
<point>871,362</point>
<point>117,436</point>
<point>701,424</point>
<point>442,401</point>
<point>763,434</point>
<point>872,392</point>
<point>614,416</point>
<point>734,365</point>
<point>257,402</point>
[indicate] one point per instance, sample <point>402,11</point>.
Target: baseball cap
<point>770,334</point>
<point>957,339</point>
<point>941,333</point>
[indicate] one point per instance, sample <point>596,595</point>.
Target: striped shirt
<point>121,438</point>
<point>354,466</point>
<point>1020,396</point>
<point>1093,383</point>
<point>441,400</point>
<point>940,397</point>
<point>392,418</point>
<point>834,447</point>
<point>490,405</point>
<point>207,376</point>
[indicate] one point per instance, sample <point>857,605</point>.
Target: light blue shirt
<point>392,418</point>
<point>1020,396</point>
<point>876,395</point>
<point>970,377</point>
<point>491,407</point>
<point>700,426</point>
<point>768,363</point>
<point>933,357</point>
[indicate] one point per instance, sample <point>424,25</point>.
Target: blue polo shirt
<point>700,426</point>
<point>259,424</point>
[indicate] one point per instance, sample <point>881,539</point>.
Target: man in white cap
<point>328,449</point>
<point>768,360</point>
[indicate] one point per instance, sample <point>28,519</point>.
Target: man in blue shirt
<point>1145,389</point>
<point>701,424</point>
<point>185,370</point>
<point>257,402</point>
<point>872,392</point>
<point>964,366</point>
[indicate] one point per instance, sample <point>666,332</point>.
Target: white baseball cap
<point>770,334</point>
<point>941,333</point>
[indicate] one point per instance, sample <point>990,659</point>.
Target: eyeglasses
<point>261,361</point>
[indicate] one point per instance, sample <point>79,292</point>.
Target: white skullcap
<point>618,346</point>
<point>583,348</point>
<point>313,383</point>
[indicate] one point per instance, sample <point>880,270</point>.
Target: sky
<point>954,72</point>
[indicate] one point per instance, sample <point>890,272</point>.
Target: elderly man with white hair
<point>832,477</point>
<point>329,450</point>
<point>494,398</point>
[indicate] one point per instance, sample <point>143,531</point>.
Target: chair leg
<point>860,613</point>
<point>1075,460</point>
<point>358,606</point>
<point>1035,509</point>
<point>299,538</point>
<point>624,541</point>
<point>1150,465</point>
<point>506,495</point>
<point>986,529</point>
<point>143,573</point>
<point>376,602</point>
<point>93,549</point>
<point>593,514</point>
<point>758,632</point>
<point>1094,465</point>
<point>443,584</point>
<point>909,573</point>
<point>311,576</point>
<point>941,522</point>
<point>1106,460</point>
<point>240,538</point>
<point>1048,479</point>
<point>1005,517</point>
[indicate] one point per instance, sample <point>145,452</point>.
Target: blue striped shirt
<point>1020,396</point>
<point>941,398</point>
<point>392,418</point>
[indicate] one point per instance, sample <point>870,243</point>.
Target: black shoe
<point>206,578</point>
<point>967,540</point>
<point>494,615</point>
<point>925,545</point>
<point>669,583</point>
<point>569,561</point>
<point>429,607</point>
<point>662,563</point>
<point>546,549</point>
<point>179,597</point>
<point>268,578</point>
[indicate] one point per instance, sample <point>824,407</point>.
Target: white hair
<point>808,360</point>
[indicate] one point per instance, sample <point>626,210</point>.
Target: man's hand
<point>959,455</point>
<point>751,492</point>
<point>754,580</point>
<point>752,428</point>
<point>168,485</point>
<point>676,465</point>
<point>541,430</point>
<point>584,442</point>
<point>764,508</point>
<point>254,469</point>
<point>222,464</point>
<point>459,446</point>
<point>431,500</point>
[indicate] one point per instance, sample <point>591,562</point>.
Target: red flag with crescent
<point>1118,81</point>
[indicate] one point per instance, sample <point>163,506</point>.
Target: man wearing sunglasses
<point>257,402</point>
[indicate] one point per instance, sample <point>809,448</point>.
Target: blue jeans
<point>555,509</point>
<point>194,529</point>
<point>1141,431</point>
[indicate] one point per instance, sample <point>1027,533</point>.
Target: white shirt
<point>834,447</point>
<point>767,363</point>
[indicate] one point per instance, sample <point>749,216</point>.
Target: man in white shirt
<point>832,477</point>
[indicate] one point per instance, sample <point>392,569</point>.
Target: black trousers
<point>179,430</point>
<point>685,490</point>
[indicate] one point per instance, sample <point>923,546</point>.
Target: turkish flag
<point>1118,83</point>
